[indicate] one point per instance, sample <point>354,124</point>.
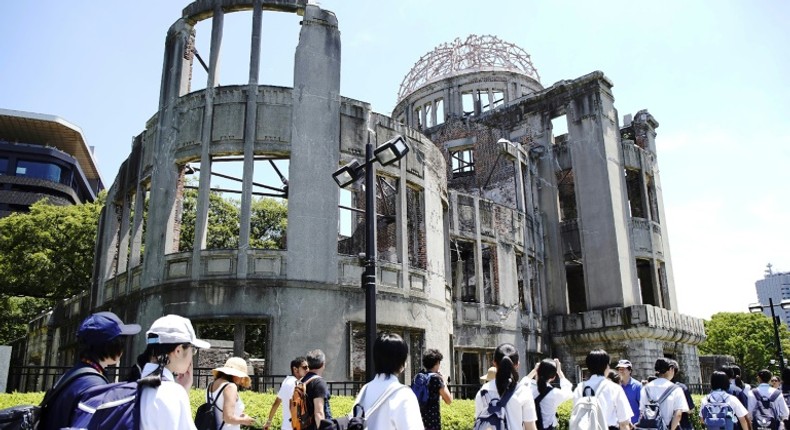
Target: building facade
<point>44,157</point>
<point>491,230</point>
<point>774,286</point>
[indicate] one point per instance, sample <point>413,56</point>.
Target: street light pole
<point>369,276</point>
<point>776,335</point>
<point>386,154</point>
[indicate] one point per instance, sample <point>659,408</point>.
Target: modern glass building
<point>44,157</point>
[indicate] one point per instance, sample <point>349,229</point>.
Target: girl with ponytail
<point>519,409</point>
<point>171,344</point>
<point>547,399</point>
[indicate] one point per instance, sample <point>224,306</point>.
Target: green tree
<point>223,222</point>
<point>268,223</point>
<point>749,337</point>
<point>45,255</point>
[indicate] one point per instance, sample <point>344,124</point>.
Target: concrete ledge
<point>633,322</point>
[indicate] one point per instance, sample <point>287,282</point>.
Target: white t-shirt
<point>166,407</point>
<point>611,397</point>
<point>732,401</point>
<point>285,394</point>
<point>400,412</point>
<point>218,411</point>
<point>779,404</point>
<point>550,403</point>
<point>675,402</point>
<point>519,409</point>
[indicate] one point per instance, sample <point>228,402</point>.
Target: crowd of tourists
<point>155,395</point>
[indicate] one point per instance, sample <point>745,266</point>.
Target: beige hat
<point>489,376</point>
<point>235,366</point>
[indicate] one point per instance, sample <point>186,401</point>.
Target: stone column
<point>315,143</point>
<point>164,175</point>
<point>556,290</point>
<point>593,135</point>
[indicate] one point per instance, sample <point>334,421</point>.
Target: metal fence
<point>26,379</point>
<point>40,378</point>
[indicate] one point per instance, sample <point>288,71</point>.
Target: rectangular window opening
<point>633,184</point>
<point>415,220</point>
<point>490,278</point>
<point>462,260</point>
<point>559,128</point>
<point>440,114</point>
<point>462,162</point>
<point>577,295</point>
<point>566,195</point>
<point>387,220</point>
<point>644,273</point>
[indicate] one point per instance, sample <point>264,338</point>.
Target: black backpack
<point>539,422</point>
<point>205,418</point>
<point>29,417</point>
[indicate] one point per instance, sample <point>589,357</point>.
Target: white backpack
<point>587,413</point>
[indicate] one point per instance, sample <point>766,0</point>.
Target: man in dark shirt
<point>317,390</point>
<point>437,388</point>
<point>100,341</point>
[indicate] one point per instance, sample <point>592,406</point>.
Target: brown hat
<point>235,366</point>
<point>489,376</point>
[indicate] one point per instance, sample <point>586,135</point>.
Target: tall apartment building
<point>492,229</point>
<point>774,286</point>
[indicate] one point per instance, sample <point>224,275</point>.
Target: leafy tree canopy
<point>45,255</point>
<point>749,337</point>
<point>48,252</point>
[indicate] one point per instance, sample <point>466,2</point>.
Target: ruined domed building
<point>492,229</point>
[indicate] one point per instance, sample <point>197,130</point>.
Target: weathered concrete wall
<point>640,333</point>
<point>312,204</point>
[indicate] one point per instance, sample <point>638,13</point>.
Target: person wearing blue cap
<point>101,339</point>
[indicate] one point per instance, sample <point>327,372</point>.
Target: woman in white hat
<point>171,344</point>
<point>225,389</point>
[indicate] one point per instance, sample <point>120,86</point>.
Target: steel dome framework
<point>475,53</point>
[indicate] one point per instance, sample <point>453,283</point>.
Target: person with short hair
<point>611,398</point>
<point>229,410</point>
<point>101,339</point>
<point>764,392</point>
<point>316,388</point>
<point>172,343</point>
<point>631,387</point>
<point>437,388</point>
<point>547,371</point>
<point>719,384</point>
<point>400,410</point>
<point>673,407</point>
<point>298,370</point>
<point>520,409</point>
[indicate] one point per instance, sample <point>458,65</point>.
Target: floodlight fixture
<point>391,151</point>
<point>347,174</point>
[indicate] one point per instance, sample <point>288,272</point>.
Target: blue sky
<point>712,73</point>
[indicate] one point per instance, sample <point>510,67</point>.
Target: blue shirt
<point>61,408</point>
<point>632,391</point>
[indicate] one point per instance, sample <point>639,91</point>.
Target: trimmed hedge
<point>459,415</point>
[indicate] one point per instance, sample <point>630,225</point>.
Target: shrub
<point>460,415</point>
